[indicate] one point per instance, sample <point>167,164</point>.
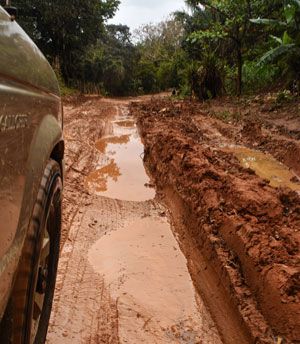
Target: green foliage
<point>284,96</point>
<point>166,75</point>
<point>206,77</point>
<point>111,63</point>
<point>161,56</point>
<point>212,49</point>
<point>222,33</point>
<point>259,77</point>
<point>287,49</point>
<point>64,89</point>
<point>230,73</point>
<point>226,29</point>
<point>146,76</point>
<point>65,29</point>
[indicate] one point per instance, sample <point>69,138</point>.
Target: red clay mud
<point>122,277</point>
<point>261,122</point>
<point>225,270</point>
<point>247,230</point>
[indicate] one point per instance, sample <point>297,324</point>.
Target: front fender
<point>47,136</point>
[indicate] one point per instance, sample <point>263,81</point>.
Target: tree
<point>211,49</point>
<point>110,64</point>
<point>226,28</point>
<point>160,49</point>
<point>204,67</point>
<point>64,29</point>
<point>121,59</point>
<point>288,44</point>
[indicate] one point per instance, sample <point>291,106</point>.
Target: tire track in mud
<point>84,311</point>
<point>88,306</point>
<point>81,289</point>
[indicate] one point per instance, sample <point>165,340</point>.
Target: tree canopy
<point>64,30</point>
<point>217,47</point>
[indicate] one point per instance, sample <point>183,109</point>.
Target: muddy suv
<point>31,160</point>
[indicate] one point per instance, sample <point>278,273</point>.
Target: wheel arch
<point>58,153</point>
<point>47,144</point>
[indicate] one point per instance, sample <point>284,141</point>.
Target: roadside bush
<point>284,96</point>
<point>64,89</point>
<point>201,79</point>
<point>230,79</point>
<point>257,77</point>
<point>165,75</point>
<point>146,76</point>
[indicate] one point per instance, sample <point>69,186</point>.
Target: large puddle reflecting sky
<point>121,174</point>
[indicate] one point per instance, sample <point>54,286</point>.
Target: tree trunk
<point>240,69</point>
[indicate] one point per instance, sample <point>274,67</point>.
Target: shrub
<point>257,77</point>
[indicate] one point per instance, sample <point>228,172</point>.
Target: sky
<point>134,13</point>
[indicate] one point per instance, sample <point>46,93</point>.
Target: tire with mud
<point>27,315</point>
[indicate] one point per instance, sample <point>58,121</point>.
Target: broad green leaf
<point>274,54</point>
<point>296,3</point>
<point>264,21</point>
<point>289,12</point>
<point>286,39</point>
<point>276,39</point>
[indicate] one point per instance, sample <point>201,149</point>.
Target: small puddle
<point>266,167</point>
<point>147,273</point>
<point>121,174</point>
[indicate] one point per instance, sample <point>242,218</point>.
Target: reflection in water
<point>147,273</point>
<point>266,167</point>
<point>99,178</point>
<point>101,145</point>
<point>123,176</point>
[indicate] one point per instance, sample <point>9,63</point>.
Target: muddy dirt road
<point>202,249</point>
<point>122,277</point>
<point>233,190</point>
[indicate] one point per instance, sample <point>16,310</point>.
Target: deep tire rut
<point>89,308</point>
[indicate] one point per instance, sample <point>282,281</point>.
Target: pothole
<point>147,273</point>
<point>121,174</point>
<point>267,167</point>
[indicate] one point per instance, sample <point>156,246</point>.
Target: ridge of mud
<point>247,230</point>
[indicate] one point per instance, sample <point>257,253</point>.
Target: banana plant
<point>288,45</point>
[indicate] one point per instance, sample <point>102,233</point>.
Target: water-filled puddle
<point>267,167</point>
<point>147,273</point>
<point>121,172</point>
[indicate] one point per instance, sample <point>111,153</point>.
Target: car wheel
<point>29,309</point>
